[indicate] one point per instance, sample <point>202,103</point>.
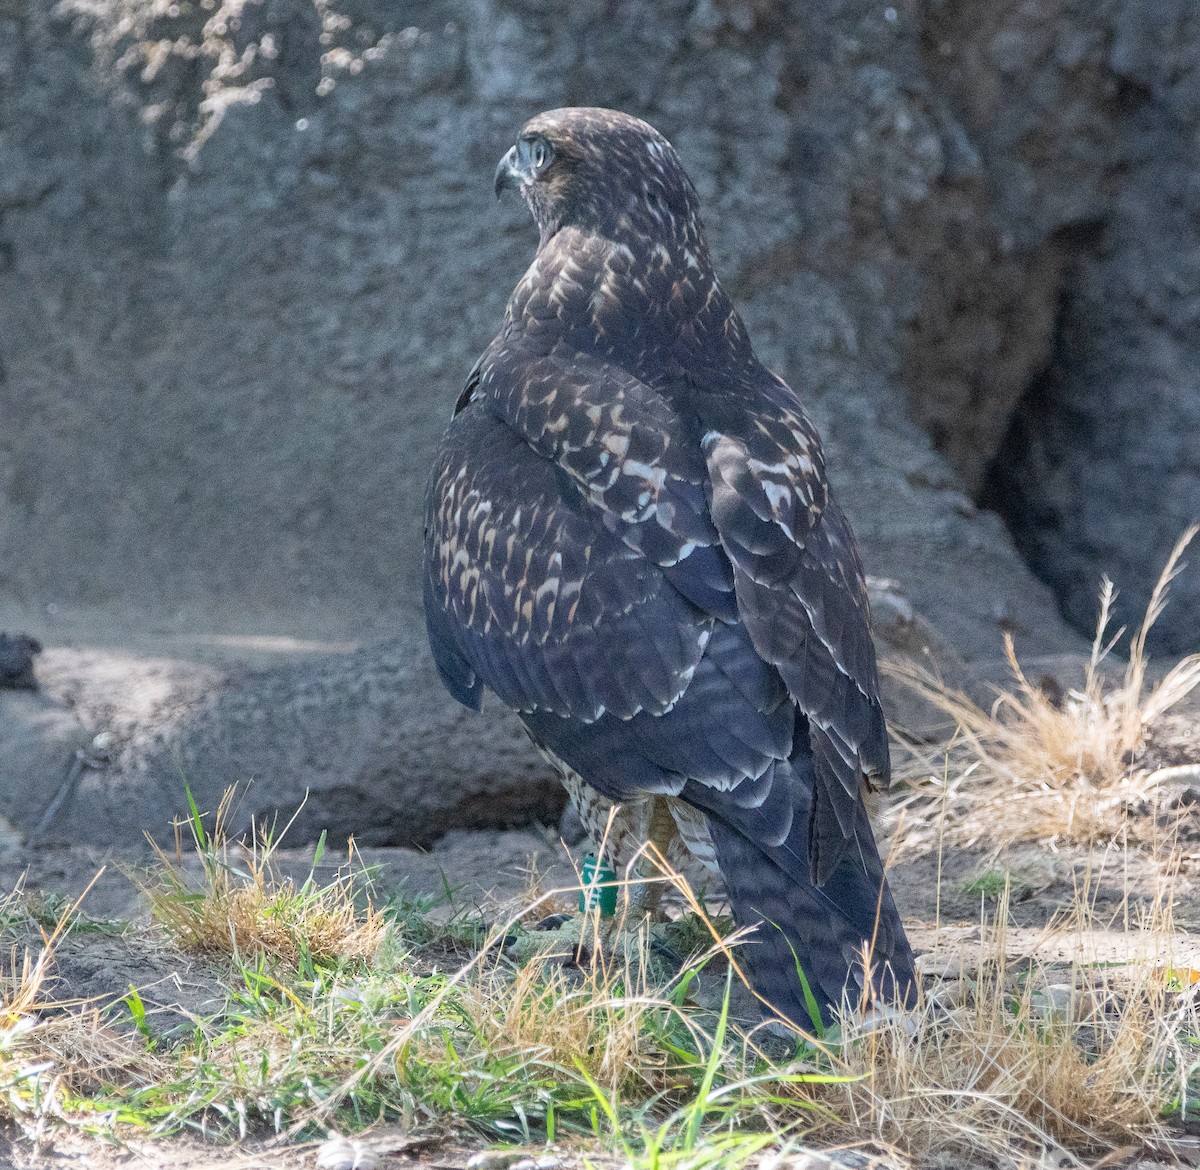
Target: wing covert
<point>527,591</point>
<point>800,592</point>
<point>628,453</point>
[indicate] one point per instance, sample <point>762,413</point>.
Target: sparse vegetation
<point>340,1012</point>
<point>242,908</point>
<point>1004,1059</point>
<point>195,60</point>
<point>1037,766</point>
<point>1029,1056</point>
<point>55,1057</point>
<point>990,884</point>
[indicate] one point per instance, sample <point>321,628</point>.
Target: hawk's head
<point>600,170</point>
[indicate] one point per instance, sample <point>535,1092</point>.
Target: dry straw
<point>1013,1056</point>
<point>1038,767</point>
<point>237,904</point>
<point>53,1052</point>
<point>1009,1058</point>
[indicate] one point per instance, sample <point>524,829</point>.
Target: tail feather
<point>823,931</point>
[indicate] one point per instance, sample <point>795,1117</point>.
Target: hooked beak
<point>509,173</point>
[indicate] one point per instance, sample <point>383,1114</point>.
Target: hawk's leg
<point>631,837</point>
<point>645,841</point>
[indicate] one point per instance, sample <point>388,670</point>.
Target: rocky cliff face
<point>251,251</point>
<point>248,253</point>
<point>1099,471</point>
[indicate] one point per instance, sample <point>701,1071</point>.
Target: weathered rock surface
<point>225,369</point>
<point>1089,116</point>
<point>248,253</point>
<point>365,733</point>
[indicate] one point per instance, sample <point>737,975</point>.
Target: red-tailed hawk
<point>630,540</point>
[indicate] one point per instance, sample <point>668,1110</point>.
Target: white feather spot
<point>759,468</point>
<point>635,467</point>
<point>778,494</point>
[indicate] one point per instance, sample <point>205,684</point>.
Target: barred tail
<point>807,954</point>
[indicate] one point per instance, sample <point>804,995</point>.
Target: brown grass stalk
<point>245,908</point>
<point>1016,1056</point>
<point>54,1051</point>
<point>1030,767</point>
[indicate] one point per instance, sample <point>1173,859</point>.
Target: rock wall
<point>1099,471</point>
<point>248,252</point>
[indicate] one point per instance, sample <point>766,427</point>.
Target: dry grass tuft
<point>606,1011</point>
<point>1032,768</point>
<point>1009,1059</point>
<point>245,909</point>
<point>589,1022</point>
<point>579,1004</point>
<point>588,1017</point>
<point>54,1052</point>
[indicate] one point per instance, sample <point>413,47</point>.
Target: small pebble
<point>512,1160</point>
<point>1058,1000</point>
<point>340,1153</point>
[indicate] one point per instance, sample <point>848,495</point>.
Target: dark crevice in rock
<point>1012,488</point>
<point>1084,123</point>
<point>1075,479</point>
<point>1083,237</point>
<point>1015,479</point>
<point>1096,474</point>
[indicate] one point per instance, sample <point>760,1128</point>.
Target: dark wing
<point>800,592</point>
<point>526,592</point>
<point>572,567</point>
<point>626,453</point>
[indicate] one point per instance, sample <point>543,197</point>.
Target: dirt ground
<point>487,868</point>
<point>382,1149</point>
<point>944,892</point>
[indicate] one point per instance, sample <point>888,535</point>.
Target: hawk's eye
<point>541,154</point>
